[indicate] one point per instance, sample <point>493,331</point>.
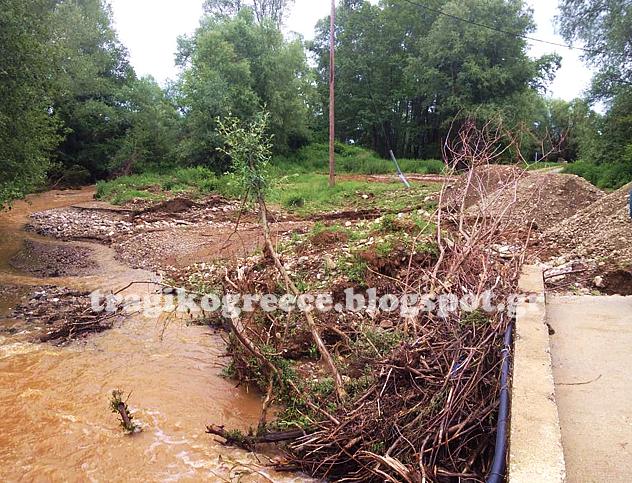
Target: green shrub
<point>605,176</point>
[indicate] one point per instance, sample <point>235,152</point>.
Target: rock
<point>329,263</point>
<point>557,278</point>
<point>599,282</point>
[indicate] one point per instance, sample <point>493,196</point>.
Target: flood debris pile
<point>80,224</point>
<point>53,260</point>
<point>59,315</point>
<point>539,201</point>
<point>105,224</point>
<point>405,389</point>
<point>421,389</point>
<point>593,246</point>
<point>479,184</point>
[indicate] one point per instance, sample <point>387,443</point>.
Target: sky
<point>150,28</point>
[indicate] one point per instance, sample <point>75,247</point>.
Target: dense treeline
<point>70,102</point>
<point>73,110</point>
<point>404,73</point>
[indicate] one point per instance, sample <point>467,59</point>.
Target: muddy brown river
<point>56,424</point>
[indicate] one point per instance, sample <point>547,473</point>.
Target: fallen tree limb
<point>248,442</point>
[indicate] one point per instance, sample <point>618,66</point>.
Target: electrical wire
<point>505,32</point>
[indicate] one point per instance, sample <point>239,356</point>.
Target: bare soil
<point>601,230</point>
<point>540,200</point>
<point>596,241</point>
<point>172,248</point>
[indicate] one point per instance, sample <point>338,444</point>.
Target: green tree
<point>96,70</point>
<point>560,127</point>
<point>264,10</point>
<point>28,126</point>
<point>153,129</point>
<point>236,66</point>
<point>404,73</point>
<point>605,27</point>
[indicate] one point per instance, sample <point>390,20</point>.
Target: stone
<point>557,278</point>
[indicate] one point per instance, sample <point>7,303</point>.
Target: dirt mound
<point>49,260</point>
<point>602,230</point>
<point>484,181</point>
<point>540,200</point>
<point>176,205</point>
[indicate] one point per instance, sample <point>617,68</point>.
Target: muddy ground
<point>580,234</point>
<point>191,242</point>
<point>49,260</point>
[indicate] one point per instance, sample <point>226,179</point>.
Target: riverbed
<point>54,401</point>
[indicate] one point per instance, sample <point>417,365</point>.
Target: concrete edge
<point>535,448</point>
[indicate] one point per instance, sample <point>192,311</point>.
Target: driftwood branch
<point>248,442</point>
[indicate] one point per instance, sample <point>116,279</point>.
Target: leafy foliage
<point>264,10</point>
<point>28,126</point>
<point>235,67</point>
<point>403,73</point>
<point>249,148</point>
<point>605,27</point>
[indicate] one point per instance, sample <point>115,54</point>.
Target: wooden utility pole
<point>332,95</point>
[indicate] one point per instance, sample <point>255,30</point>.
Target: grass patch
<point>155,186</point>
<point>354,268</point>
<point>302,192</point>
<point>310,193</point>
<point>542,165</point>
<point>314,158</point>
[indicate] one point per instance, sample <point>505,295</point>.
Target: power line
<point>505,32</point>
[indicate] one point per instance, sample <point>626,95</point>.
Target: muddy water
<point>55,420</point>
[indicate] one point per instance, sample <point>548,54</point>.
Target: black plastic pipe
<point>497,473</point>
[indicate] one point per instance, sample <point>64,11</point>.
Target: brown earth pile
<point>485,180</point>
<point>602,230</point>
<point>539,200</point>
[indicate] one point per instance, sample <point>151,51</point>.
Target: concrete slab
<point>535,452</point>
<point>592,357</point>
